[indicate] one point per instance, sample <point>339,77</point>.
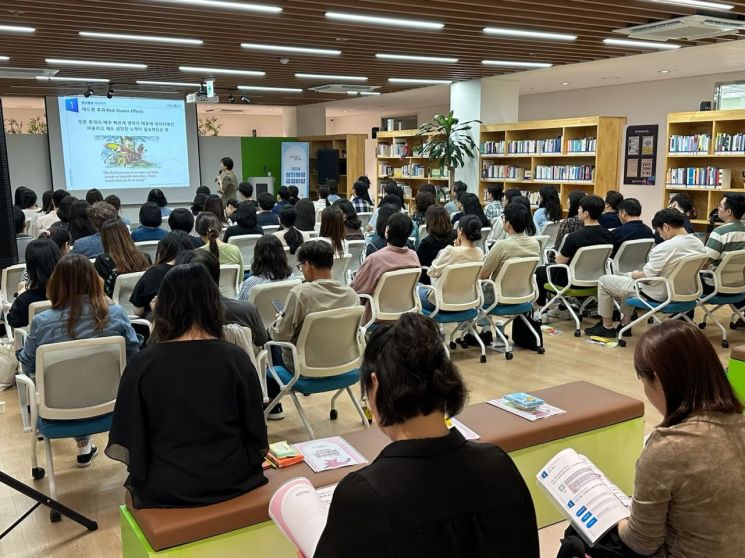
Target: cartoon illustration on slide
<point>126,151</point>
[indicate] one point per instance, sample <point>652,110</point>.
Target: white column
<point>289,122</point>
<point>311,120</point>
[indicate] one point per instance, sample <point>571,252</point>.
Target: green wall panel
<point>259,152</point>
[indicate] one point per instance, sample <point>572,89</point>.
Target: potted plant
<point>448,141</point>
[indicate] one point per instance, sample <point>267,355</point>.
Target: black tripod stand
<point>56,508</point>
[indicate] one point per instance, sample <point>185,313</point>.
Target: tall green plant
<point>449,142</point>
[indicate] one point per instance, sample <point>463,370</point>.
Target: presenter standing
<point>227,183</point>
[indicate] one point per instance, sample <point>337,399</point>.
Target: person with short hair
<point>731,235</point>
<point>209,229</point>
<point>458,187</point>
<point>682,203</point>
<point>205,190</point>
<point>689,486</point>
<point>516,218</point>
<point>93,195</point>
<point>493,209</point>
<point>181,219</point>
<point>230,208</point>
<point>377,240</point>
<point>245,222</point>
<point>333,187</point>
<point>361,199</point>
<point>429,492</point>
<point>150,220</point>
<point>227,182</point>
<point>390,190</point>
<point>246,191</point>
<point>116,203</point>
<point>41,256</point>
<point>197,205</point>
<point>266,217</point>
<point>43,222</point>
<point>176,457</point>
<point>661,262</point>
<point>422,201</point>
<point>157,196</point>
<point>28,204</point>
<point>511,195</point>
<point>22,238</point>
<point>284,200</point>
<point>119,255</point>
<point>269,265</point>
<point>610,218</point>
<point>91,246</point>
<point>632,227</point>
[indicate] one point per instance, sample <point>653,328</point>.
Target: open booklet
<point>300,512</point>
<point>584,494</point>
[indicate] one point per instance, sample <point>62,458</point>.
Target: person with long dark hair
<point>352,223</point>
<point>197,206</point>
<point>80,220</point>
<point>610,218</point>
<point>440,234</point>
<point>47,208</point>
<point>429,492</point>
<point>208,228</point>
<point>361,199</point>
<point>422,201</point>
<point>549,208</point>
<point>269,265</point>
<point>91,246</point>
<point>245,222</point>
<point>294,195</point>
<point>214,204</point>
<point>184,459</point>
<point>120,255</point>
<point>41,257</point>
<point>157,196</point>
<point>306,215</point>
<point>332,229</point>
<point>572,223</point>
<point>471,205</point>
<point>289,235</point>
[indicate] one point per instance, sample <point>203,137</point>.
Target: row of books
<point>393,150</point>
<point>583,145</point>
<point>708,177</point>
<point>503,171</point>
<point>384,169</point>
<point>730,143</point>
<point>492,147</point>
<point>520,147</point>
<point>697,143</point>
<point>547,146</point>
<point>564,172</point>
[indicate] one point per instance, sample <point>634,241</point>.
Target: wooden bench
<point>606,426</point>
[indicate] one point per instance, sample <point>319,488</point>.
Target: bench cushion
<point>738,353</point>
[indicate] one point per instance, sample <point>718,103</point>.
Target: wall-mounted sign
<point>641,155</point>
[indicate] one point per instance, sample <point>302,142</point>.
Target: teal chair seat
<point>318,385</point>
<point>672,308</point>
<point>511,309</point>
<point>721,300</point>
<point>54,429</point>
<point>443,317</point>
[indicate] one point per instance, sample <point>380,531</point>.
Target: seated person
<point>591,234</point>
<point>689,494</point>
<point>231,206</point>
<point>632,227</point>
<point>333,187</point>
<point>181,219</point>
<point>682,203</point>
<point>93,195</point>
<point>147,286</point>
<point>157,196</point>
<point>661,262</point>
<point>197,206</point>
<point>22,238</point>
<point>246,192</point>
<point>306,216</point>
<point>322,202</point>
<point>729,236</point>
<point>333,230</point>
<point>269,265</point>
<point>494,208</point>
<point>266,217</point>
<point>390,190</point>
<point>209,229</point>
<point>571,224</point>
<point>245,222</point>
<point>352,223</point>
<point>288,234</point>
<point>471,205</point>
<point>150,221</point>
<point>440,234</point>
<point>92,246</point>
<point>511,195</point>
<point>361,198</point>
<point>114,201</point>
<point>422,201</point>
<point>549,208</point>
<point>41,256</point>
<point>79,311</point>
<point>610,218</point>
<point>451,207</point>
<point>284,200</point>
<point>178,458</point>
<point>389,205</point>
<point>429,492</point>
<point>120,255</point>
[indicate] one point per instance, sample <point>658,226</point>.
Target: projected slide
<point>123,143</point>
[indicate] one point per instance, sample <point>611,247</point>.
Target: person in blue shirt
<point>150,221</point>
<point>79,311</point>
<point>632,227</point>
<point>451,206</point>
<point>91,246</point>
<point>266,217</point>
<point>159,198</point>
<point>549,208</point>
<point>333,187</point>
<point>284,200</point>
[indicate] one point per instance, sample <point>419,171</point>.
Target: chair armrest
<point>651,280</point>
<point>373,313</point>
<point>436,303</point>
<point>32,398</point>
<point>20,334</point>
<point>261,362</point>
<point>141,321</point>
<point>558,266</point>
<point>287,345</point>
<point>483,282</point>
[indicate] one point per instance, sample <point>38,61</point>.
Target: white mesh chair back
<point>270,229</point>
<point>241,336</point>
<point>424,233</point>
<point>262,295</point>
<point>339,269</point>
<point>458,287</point>
<point>149,247</point>
<point>551,230</point>
<point>37,308</point>
<point>311,234</point>
<point>543,240</point>
<point>10,279</point>
<point>396,294</point>
<point>356,250</point>
<point>632,255</point>
<point>364,218</point>
<point>292,261</point>
<point>339,328</point>
<point>685,281</point>
<point>79,379</point>
<point>515,281</point>
<point>246,243</point>
<point>229,280</point>
<point>588,265</point>
<point>731,272</point>
<point>485,232</point>
<point>123,287</point>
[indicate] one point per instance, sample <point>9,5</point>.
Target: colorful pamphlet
<point>329,453</point>
<point>540,412</point>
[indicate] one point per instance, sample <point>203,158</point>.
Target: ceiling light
<point>88,92</point>
<point>664,71</point>
<point>295,50</point>
<point>369,93</point>
<point>415,58</point>
<point>513,64</point>
<point>421,81</point>
<point>110,93</point>
<point>4,58</point>
<point>16,29</point>
<point>245,99</point>
<point>95,63</point>
<point>59,78</point>
<point>392,21</point>
<point>695,4</point>
<point>168,83</point>
<point>565,83</point>
<point>331,77</point>
<point>523,34</point>
<point>221,71</point>
<point>270,89</point>
<point>640,44</point>
<point>140,38</point>
<point>242,6</point>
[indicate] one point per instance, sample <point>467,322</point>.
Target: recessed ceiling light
<point>695,4</point>
<point>95,63</point>
<point>168,83</point>
<point>270,89</point>
<point>664,71</point>
<point>415,58</point>
<point>293,49</point>
<point>565,83</point>
<point>421,81</point>
<point>331,76</point>
<point>60,78</point>
<point>392,21</point>
<point>515,64</point>
<point>526,34</point>
<point>140,38</point>
<point>640,44</point>
<point>224,71</point>
<point>242,6</point>
<point>4,58</point>
<point>16,29</point>
<point>369,93</point>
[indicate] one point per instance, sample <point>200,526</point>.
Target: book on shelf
<point>697,143</point>
<point>730,143</point>
<point>699,177</point>
<point>385,169</point>
<point>582,145</point>
<point>580,173</point>
<point>395,149</point>
<point>503,171</point>
<point>592,503</point>
<point>532,147</point>
<point>492,147</point>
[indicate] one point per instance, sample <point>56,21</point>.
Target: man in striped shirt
<point>729,236</point>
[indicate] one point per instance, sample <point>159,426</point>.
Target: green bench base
<point>736,375</point>
<point>614,449</point>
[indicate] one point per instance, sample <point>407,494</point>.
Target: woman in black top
<point>377,241</point>
<point>80,221</point>
<point>41,257</point>
<point>306,215</point>
<point>188,420</point>
<point>430,492</point>
<point>441,234</point>
<point>245,218</point>
<point>471,206</point>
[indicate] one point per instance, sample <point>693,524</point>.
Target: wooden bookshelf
<point>696,140</point>
<point>561,147</point>
<point>351,149</point>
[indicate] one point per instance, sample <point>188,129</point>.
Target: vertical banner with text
<point>295,167</point>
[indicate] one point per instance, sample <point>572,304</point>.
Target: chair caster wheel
<point>540,350</point>
<point>725,344</point>
<point>54,516</point>
<point>509,356</point>
<point>482,360</point>
<point>37,473</point>
<point>453,346</point>
<point>334,414</point>
<point>702,325</point>
<point>621,342</point>
<point>577,333</point>
<point>732,325</point>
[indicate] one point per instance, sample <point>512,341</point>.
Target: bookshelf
<point>705,158</point>
<point>351,149</point>
<point>571,154</point>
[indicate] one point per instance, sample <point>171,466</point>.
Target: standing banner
<point>641,155</point>
<point>295,167</point>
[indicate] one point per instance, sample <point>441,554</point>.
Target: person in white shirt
<point>678,244</point>
<point>43,222</point>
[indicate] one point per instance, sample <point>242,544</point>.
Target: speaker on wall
<point>8,247</point>
<point>705,105</point>
<point>328,165</point>
<point>374,132</point>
